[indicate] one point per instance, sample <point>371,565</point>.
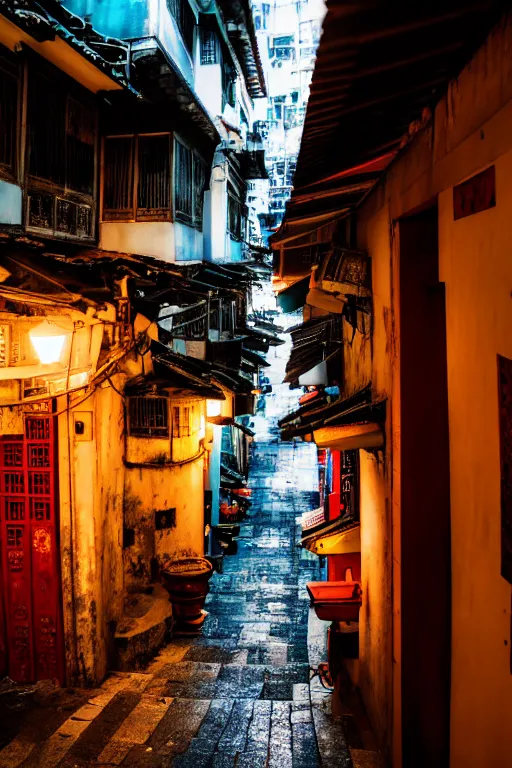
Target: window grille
<point>176,423</point>
<point>154,176</point>
<point>8,117</point>
<point>148,417</point>
<point>183,182</point>
<point>61,138</point>
<point>190,182</point>
<point>118,184</point>
<point>228,85</point>
<point>209,48</point>
<point>62,133</point>
<point>47,130</point>
<point>199,181</point>
<point>39,483</point>
<point>185,19</point>
<point>137,172</point>
<point>182,421</point>
<point>186,422</point>
<point>80,140</point>
<point>4,346</point>
<point>37,428</point>
<point>235,217</point>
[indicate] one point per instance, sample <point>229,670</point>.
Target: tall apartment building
<point>288,34</point>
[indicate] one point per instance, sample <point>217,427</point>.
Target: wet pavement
<point>239,694</point>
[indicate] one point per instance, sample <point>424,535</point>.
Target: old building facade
<point>122,352</point>
<point>396,243</point>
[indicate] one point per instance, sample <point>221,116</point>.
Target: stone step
<point>199,680</point>
<point>248,733</point>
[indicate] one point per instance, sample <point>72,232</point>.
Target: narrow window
<point>80,139</point>
<point>235,215</point>
<point>118,178</point>
<point>8,116</point>
<point>148,417</point>
<point>209,48</point>
<point>137,178</point>
<point>154,178</point>
<point>183,183</point>
<point>190,182</point>
<point>186,431</point>
<point>46,129</point>
<point>176,425</point>
<point>199,173</point>
<point>185,20</point>
<point>228,85</point>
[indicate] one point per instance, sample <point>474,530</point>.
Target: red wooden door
<point>29,552</point>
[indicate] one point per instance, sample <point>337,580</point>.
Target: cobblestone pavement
<point>236,696</point>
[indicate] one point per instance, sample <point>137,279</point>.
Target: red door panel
<point>28,540</point>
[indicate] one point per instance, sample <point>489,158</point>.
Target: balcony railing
<point>214,320</point>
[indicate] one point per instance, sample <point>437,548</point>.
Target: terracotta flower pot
<point>186,581</point>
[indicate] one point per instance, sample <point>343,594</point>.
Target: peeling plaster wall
<point>150,490</point>
<point>375,624</point>
<point>91,533</point>
<point>155,487</point>
<point>369,360</point>
<point>470,130</point>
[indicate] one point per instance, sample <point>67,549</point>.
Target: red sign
<point>475,195</point>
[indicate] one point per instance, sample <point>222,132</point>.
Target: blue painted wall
<point>127,19</point>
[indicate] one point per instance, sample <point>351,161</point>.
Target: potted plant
<point>186,581</point>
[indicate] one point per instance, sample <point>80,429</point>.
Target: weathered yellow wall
<point>471,130</point>
<point>151,489</point>
<point>154,484</point>
<point>370,360</point>
<point>476,265</point>
<point>91,532</point>
<point>375,619</point>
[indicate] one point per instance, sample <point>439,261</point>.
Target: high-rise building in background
<point>288,34</point>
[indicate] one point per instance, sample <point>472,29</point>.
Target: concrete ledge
<point>140,637</point>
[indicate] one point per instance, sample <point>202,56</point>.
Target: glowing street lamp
<point>213,408</point>
<point>48,341</point>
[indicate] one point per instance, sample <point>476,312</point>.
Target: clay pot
<point>187,584</point>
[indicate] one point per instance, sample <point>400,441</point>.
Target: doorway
<point>29,562</point>
<point>425,499</point>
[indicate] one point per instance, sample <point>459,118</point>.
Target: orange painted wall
<point>471,130</point>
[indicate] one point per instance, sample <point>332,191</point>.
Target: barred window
<point>228,85</point>
<point>235,217</point>
<point>118,178</point>
<point>182,421</point>
<point>183,181</point>
<point>9,80</point>
<point>185,19</point>
<point>61,136</point>
<point>190,181</point>
<point>148,417</point>
<point>154,176</point>
<point>209,47</point>
<point>137,178</point>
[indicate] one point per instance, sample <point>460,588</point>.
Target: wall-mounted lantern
<point>213,408</point>
<point>48,340</point>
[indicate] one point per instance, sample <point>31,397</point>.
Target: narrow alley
<point>237,695</point>
<point>255,384</point>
